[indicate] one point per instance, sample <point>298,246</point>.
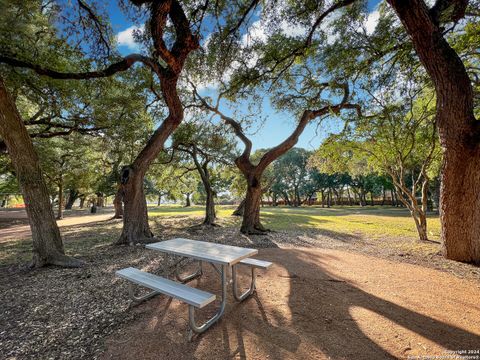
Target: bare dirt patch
<point>14,224</point>
<point>317,304</point>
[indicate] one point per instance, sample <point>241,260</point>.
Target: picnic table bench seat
<point>261,264</point>
<point>158,284</point>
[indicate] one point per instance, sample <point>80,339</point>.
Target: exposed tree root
<point>58,260</point>
<point>257,230</point>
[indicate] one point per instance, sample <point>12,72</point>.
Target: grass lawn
<point>371,221</point>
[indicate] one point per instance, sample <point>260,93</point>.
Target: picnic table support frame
<point>249,291</point>
<point>192,276</point>
<point>133,297</point>
<point>191,309</point>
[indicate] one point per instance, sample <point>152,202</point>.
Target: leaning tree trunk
<point>421,224</point>
<point>251,216</point>
<point>72,197</point>
<point>47,242</point>
<point>240,209</point>
<point>458,129</point>
<point>135,217</point>
<point>118,204</point>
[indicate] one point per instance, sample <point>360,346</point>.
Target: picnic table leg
<point>131,292</point>
<point>248,292</point>
<point>191,309</point>
<point>192,276</point>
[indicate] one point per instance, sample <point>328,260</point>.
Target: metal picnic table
<point>221,257</point>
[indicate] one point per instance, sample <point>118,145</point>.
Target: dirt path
<point>317,304</point>
<point>17,232</point>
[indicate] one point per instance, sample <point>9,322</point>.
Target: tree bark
<point>47,242</point>
<point>210,214</point>
<point>458,129</point>
<point>135,218</point>
<point>251,217</point>
<point>240,209</point>
<point>118,204</point>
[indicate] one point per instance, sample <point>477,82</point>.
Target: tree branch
<point>114,68</point>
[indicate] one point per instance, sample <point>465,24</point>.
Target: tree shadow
<point>322,311</point>
<point>300,310</point>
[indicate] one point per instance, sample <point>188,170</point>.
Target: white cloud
<point>372,21</point>
<point>256,32</point>
<point>126,38</point>
<point>292,30</point>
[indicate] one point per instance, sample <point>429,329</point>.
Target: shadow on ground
<point>316,304</point>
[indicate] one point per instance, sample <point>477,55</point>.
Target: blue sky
<point>278,125</point>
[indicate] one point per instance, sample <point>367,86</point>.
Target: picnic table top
<point>202,250</point>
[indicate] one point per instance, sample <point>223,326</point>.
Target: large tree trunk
<point>118,204</point>
<point>82,201</point>
<point>135,225</point>
<point>240,209</point>
<point>460,204</point>
<point>458,129</point>
<point>47,242</point>
<point>251,216</point>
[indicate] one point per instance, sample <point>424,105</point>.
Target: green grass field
<point>372,221</point>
